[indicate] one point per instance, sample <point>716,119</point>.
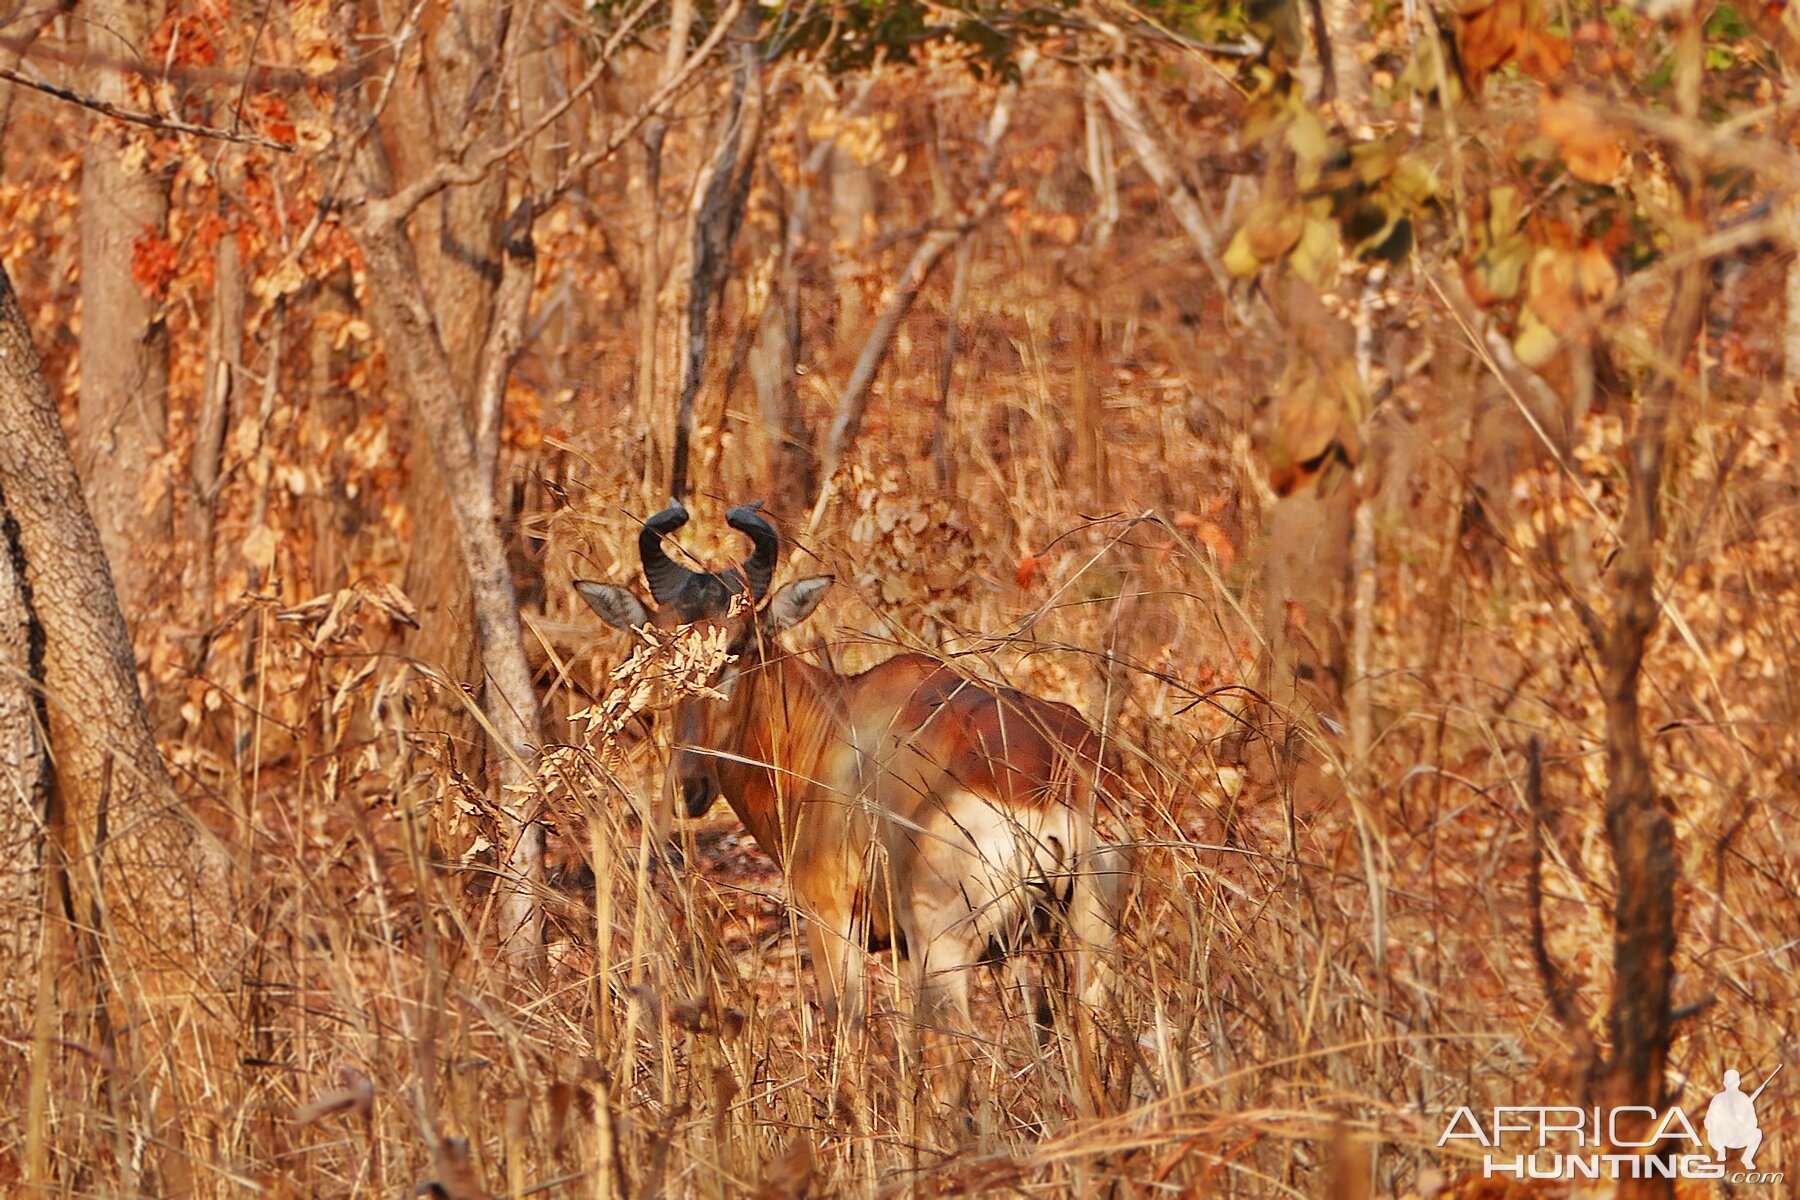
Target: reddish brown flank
<point>1018,748</point>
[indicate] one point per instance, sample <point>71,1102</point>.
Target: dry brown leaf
<point>392,601</point>
<point>1487,38</point>
<point>790,1177</point>
<point>1589,148</point>
<point>1595,274</point>
<point>1544,56</point>
<point>1274,227</point>
<point>1553,292</point>
<point>1568,287</point>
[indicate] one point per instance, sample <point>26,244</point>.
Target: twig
<point>149,120</point>
<point>1558,988</point>
<point>506,335</point>
<point>392,210</point>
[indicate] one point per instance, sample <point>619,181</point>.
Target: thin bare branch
<point>148,120</point>
<point>390,211</point>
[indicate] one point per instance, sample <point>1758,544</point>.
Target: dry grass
<point>1311,984</point>
<point>1323,958</point>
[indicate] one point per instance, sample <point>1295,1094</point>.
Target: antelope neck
<point>788,715</point>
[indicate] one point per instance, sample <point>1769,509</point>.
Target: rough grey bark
<point>24,788</point>
<point>158,881</point>
<point>124,343</point>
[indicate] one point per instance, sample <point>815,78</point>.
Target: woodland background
<point>1379,418</point>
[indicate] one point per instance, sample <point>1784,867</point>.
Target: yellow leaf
<point>1240,259</point>
<point>1536,342</point>
<point>1308,413</point>
<point>312,134</point>
<point>1311,145</point>
<point>285,280</point>
<point>1316,256</point>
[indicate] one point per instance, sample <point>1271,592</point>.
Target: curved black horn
<point>665,576</point>
<point>759,568</point>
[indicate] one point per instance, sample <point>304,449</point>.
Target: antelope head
<point>704,727</point>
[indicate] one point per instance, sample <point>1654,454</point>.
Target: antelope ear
<point>617,606</point>
<point>794,603</point>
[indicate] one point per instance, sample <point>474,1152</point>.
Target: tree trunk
<point>1640,830</point>
<point>718,211</point>
<point>422,366</point>
<point>24,786</point>
<point>124,343</point>
<point>852,191</point>
<point>650,264</point>
<point>418,362</point>
<point>223,377</point>
<point>159,880</point>
<point>457,242</point>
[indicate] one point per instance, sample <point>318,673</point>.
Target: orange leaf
<point>1208,534</point>
<point>1595,274</point>
<point>1544,55</point>
<point>1488,37</point>
<point>153,261</point>
<point>1215,540</point>
<point>1589,149</point>
<point>1031,570</point>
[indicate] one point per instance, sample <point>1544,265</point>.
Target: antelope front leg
<point>839,958</point>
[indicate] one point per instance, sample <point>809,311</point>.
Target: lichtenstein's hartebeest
<point>906,805</point>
